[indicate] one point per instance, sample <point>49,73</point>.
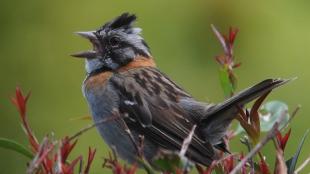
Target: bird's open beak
<point>90,35</point>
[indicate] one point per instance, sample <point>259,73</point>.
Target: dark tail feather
<point>217,119</point>
<point>248,95</point>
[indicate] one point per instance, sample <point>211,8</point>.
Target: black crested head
<point>115,44</point>
<point>124,21</point>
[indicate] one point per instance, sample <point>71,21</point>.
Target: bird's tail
<point>215,122</point>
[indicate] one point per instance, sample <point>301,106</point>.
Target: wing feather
<point>152,99</point>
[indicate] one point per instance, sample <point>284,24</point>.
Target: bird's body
<point>123,78</point>
<point>122,90</point>
<point>104,101</point>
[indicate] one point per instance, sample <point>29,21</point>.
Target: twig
<point>295,111</point>
<point>187,141</point>
<point>127,130</point>
<point>43,151</point>
<point>260,145</point>
<point>245,140</point>
<point>225,157</point>
<point>280,166</point>
<point>141,145</point>
<point>303,165</point>
<point>293,114</point>
<point>220,38</point>
<point>79,133</point>
<point>257,148</point>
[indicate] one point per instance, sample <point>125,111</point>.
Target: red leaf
<point>199,168</point>
<point>91,155</point>
<point>237,65</point>
<point>243,116</point>
<point>66,148</point>
<point>178,171</point>
<point>283,140</point>
<point>232,35</point>
<point>132,169</point>
<point>20,101</point>
<point>70,169</point>
<point>118,169</point>
<point>246,126</point>
<point>229,163</point>
<point>208,170</point>
<point>254,115</point>
<point>279,136</point>
<point>44,158</point>
<point>264,167</point>
<point>221,59</point>
<point>243,168</point>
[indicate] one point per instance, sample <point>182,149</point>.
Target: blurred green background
<point>36,39</point>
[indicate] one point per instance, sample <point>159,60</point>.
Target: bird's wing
<point>152,100</point>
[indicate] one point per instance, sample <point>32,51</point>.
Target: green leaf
<point>272,110</point>
<point>219,170</point>
<point>291,163</point>
<point>227,87</point>
<point>146,166</point>
<point>13,145</point>
<point>169,161</point>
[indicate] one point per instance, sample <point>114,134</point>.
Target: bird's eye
<point>114,41</point>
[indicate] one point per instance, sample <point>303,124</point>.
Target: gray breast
<point>102,102</point>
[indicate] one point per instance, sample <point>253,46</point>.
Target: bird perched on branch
<point>122,77</point>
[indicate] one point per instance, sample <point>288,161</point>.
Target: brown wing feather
<point>152,99</point>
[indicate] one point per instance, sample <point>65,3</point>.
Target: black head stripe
<point>124,21</point>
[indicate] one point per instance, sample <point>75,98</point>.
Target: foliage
<point>51,156</point>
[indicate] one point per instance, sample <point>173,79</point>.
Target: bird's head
<point>115,44</point>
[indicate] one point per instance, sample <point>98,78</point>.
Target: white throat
<point>92,64</point>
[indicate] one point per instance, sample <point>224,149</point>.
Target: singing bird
<point>122,77</point>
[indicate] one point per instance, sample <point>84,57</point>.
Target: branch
<point>271,134</point>
<point>187,141</point>
<point>303,165</point>
<point>293,114</point>
<point>138,147</point>
<point>79,133</point>
<point>220,38</point>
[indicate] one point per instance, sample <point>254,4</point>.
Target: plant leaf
<point>274,110</point>
<point>291,163</point>
<point>227,87</point>
<point>169,161</point>
<point>254,114</point>
<point>219,170</point>
<point>13,145</point>
<point>146,166</point>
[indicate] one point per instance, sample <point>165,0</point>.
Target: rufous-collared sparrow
<point>122,77</point>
